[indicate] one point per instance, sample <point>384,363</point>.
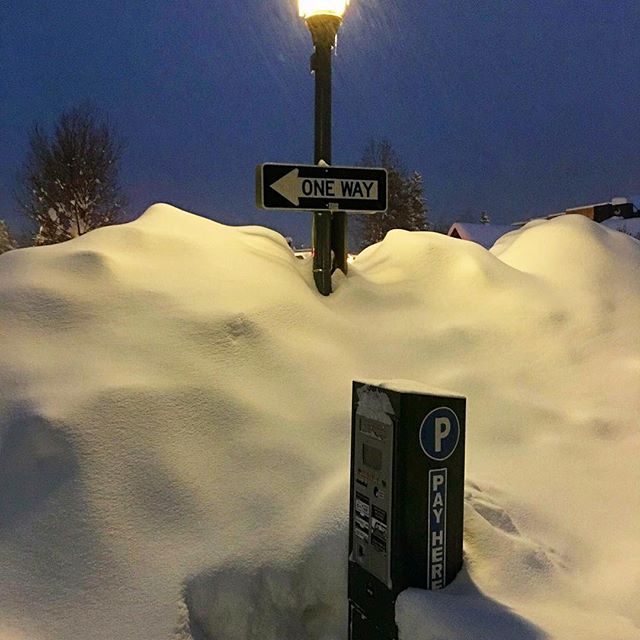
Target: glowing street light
<point>310,8</point>
<point>329,234</point>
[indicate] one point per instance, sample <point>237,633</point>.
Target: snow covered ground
<point>174,430</point>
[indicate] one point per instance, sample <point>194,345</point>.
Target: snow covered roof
<point>483,234</point>
<point>587,206</point>
<point>626,225</point>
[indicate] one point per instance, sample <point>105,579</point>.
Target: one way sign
<point>316,188</point>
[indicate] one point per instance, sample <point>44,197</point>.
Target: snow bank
<point>174,430</point>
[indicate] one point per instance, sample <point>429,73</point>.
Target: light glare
<point>310,8</point>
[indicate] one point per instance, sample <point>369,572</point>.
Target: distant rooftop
<point>623,207</point>
<point>482,234</point>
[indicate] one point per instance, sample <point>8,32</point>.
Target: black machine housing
<point>394,487</point>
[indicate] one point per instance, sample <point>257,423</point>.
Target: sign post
<point>329,230</point>
<point>407,496</point>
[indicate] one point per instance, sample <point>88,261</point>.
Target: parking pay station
<point>407,493</point>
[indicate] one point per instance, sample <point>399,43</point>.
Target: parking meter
<point>406,502</point>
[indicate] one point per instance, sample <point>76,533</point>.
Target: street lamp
<point>329,233</point>
<point>310,8</point>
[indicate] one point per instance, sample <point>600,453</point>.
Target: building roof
<point>626,225</point>
<point>483,234</point>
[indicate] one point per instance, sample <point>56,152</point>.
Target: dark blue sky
<point>516,107</point>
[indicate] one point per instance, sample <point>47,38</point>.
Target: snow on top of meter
<point>410,386</point>
<point>175,416</point>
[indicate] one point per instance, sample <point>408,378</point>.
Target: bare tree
<point>69,181</point>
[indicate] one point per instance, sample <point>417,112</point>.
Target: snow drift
<point>174,430</point>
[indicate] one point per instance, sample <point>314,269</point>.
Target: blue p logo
<point>439,433</point>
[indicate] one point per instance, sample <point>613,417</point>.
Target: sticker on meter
<point>439,433</point>
<point>362,506</point>
<point>362,517</point>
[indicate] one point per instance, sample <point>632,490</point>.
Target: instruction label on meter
<point>362,515</point>
<point>437,529</point>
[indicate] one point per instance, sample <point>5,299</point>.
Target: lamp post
<point>329,231</point>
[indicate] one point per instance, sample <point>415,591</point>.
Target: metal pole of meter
<point>329,228</point>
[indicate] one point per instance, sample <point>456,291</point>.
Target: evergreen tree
<point>407,209</point>
<point>69,181</point>
<point>6,243</point>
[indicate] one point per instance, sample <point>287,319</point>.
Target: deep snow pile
<point>174,430</point>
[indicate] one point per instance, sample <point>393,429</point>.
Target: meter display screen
<point>371,456</point>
